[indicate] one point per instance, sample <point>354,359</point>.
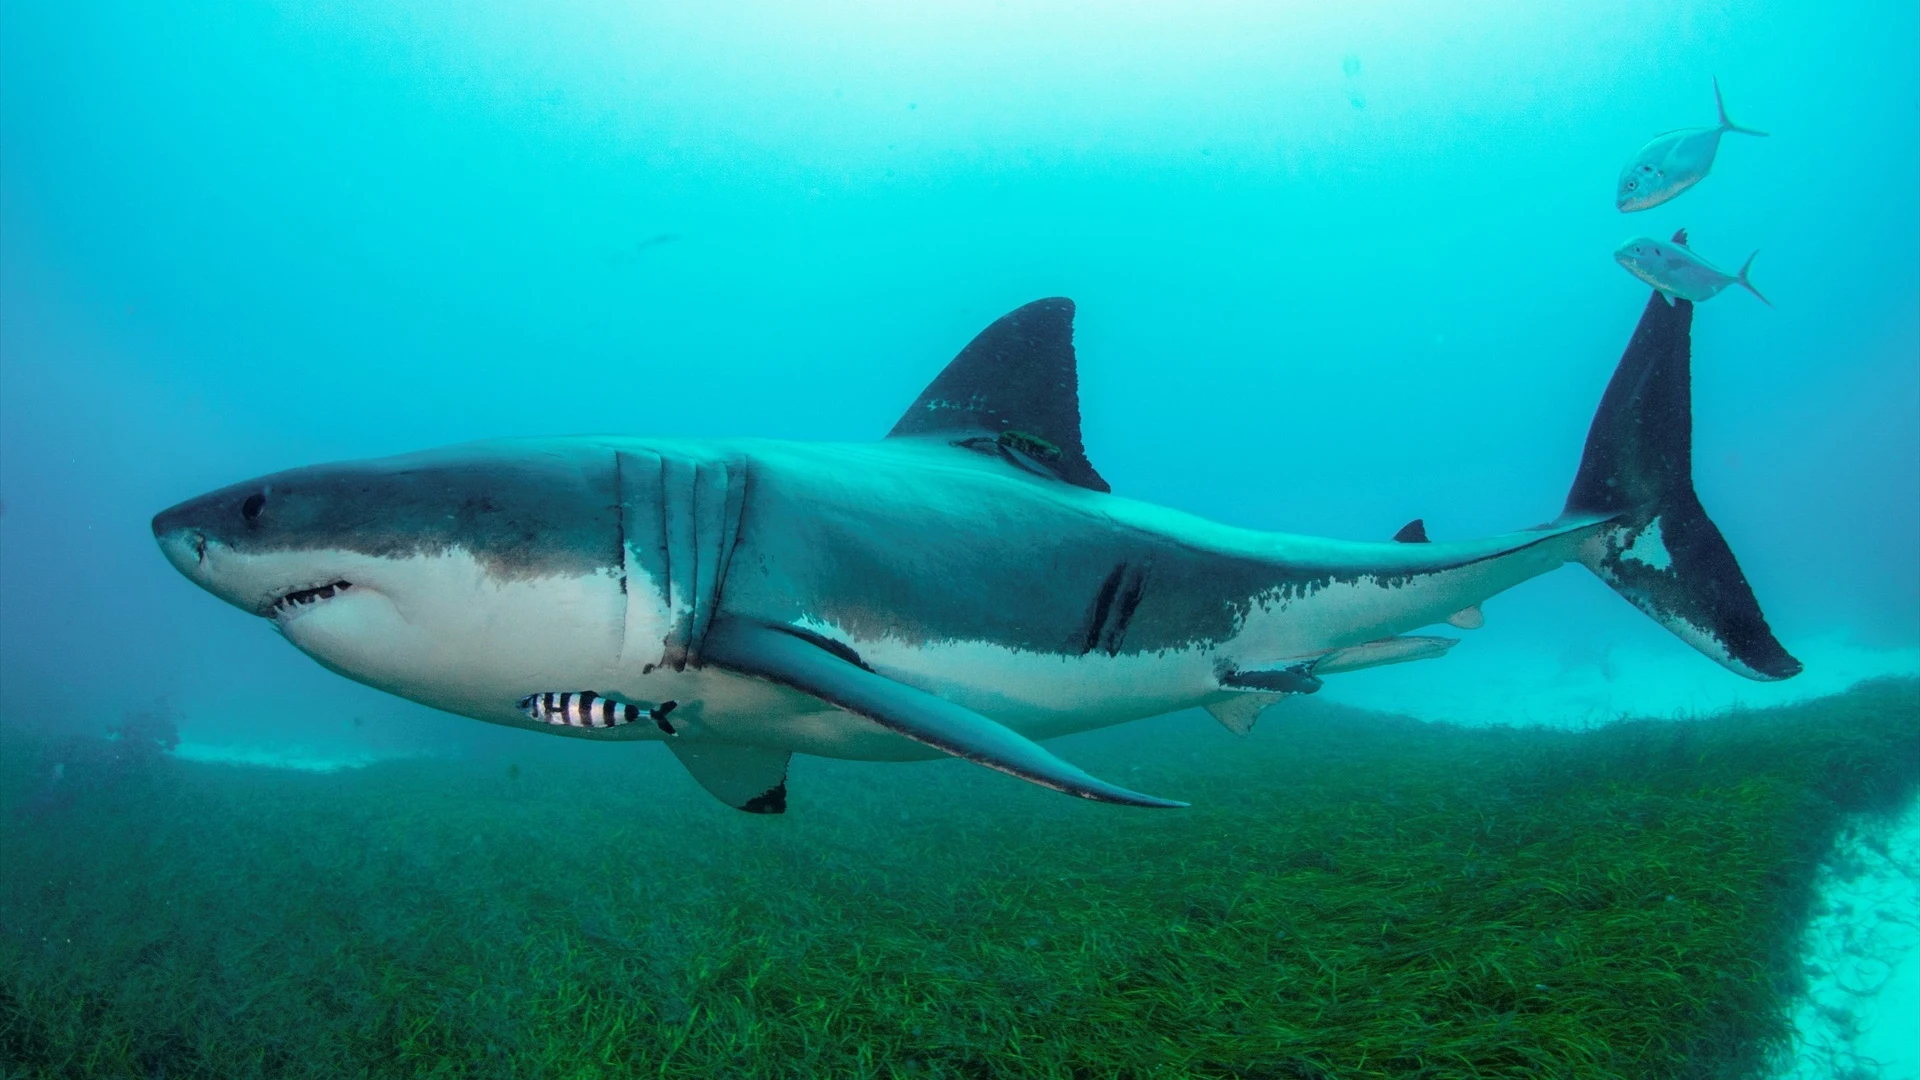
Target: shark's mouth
<point>300,600</point>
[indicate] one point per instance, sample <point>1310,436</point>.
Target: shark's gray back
<point>924,543</point>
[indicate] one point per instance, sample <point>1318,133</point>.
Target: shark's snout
<point>184,548</point>
<point>184,544</point>
<point>197,537</point>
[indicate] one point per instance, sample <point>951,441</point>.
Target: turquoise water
<point>1335,267</point>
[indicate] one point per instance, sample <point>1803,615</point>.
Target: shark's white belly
<point>1039,695</point>
<point>444,631</point>
<point>1344,613</point>
<point>1042,694</point>
<point>464,641</point>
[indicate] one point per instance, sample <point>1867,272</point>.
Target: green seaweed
<point>1352,896</point>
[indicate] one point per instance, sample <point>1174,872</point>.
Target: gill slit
<point>620,549</point>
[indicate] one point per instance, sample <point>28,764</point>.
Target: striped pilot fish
<point>586,709</point>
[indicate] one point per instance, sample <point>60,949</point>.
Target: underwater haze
<point>1336,267</point>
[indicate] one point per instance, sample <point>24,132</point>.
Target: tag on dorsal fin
<point>1413,532</point>
<point>1015,387</point>
<point>1680,237</point>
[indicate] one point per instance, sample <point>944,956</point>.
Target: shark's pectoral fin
<point>836,675</point>
<point>749,778</point>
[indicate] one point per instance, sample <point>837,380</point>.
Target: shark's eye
<point>252,507</point>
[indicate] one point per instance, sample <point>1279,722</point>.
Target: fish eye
<point>1631,184</point>
<point>252,507</point>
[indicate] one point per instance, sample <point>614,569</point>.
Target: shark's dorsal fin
<point>1413,532</point>
<point>1015,386</point>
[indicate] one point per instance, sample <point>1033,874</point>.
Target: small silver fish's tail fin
<point>1747,284</point>
<point>1656,546</point>
<point>1726,122</point>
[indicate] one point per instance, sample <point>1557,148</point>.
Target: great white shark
<point>967,585</point>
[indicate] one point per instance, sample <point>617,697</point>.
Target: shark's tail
<point>1659,549</point>
<point>1726,122</point>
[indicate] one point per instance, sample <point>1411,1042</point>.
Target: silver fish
<point>1676,271</point>
<point>1673,162</point>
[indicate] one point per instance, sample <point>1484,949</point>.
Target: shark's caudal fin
<point>1660,550</point>
<point>1013,391</point>
<point>1726,123</point>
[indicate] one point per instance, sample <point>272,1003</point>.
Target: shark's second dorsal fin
<point>1014,386</point>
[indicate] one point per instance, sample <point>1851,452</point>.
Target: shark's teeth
<point>300,599</point>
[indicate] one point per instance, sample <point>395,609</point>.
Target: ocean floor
<point>1650,676</point>
<point>1352,895</point>
<point>1860,1015</point>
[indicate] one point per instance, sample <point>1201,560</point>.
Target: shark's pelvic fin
<point>842,679</point>
<point>749,778</point>
<point>1015,391</point>
<point>1468,618</point>
<point>1238,712</point>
